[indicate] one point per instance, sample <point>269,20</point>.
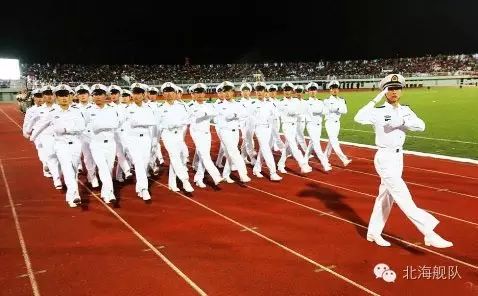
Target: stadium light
<point>9,69</point>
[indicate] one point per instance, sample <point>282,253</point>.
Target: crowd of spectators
<point>125,74</point>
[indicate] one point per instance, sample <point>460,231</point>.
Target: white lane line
<point>325,268</point>
<point>148,244</point>
<point>26,258</point>
<point>418,137</point>
<point>373,196</point>
<point>363,226</point>
<point>17,158</point>
<point>7,116</point>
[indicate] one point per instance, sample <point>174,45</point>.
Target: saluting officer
<point>390,122</point>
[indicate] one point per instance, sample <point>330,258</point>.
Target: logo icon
<point>384,272</point>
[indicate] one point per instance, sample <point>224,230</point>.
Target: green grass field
<point>450,115</point>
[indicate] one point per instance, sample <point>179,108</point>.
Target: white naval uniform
<point>173,120</point>
<point>27,131</point>
<point>289,109</point>
<point>301,124</point>
<point>123,165</point>
<point>228,118</point>
<point>276,141</point>
<point>200,131</point>
<point>45,141</point>
<point>262,117</point>
<point>101,124</point>
<point>139,121</point>
<point>67,126</point>
<point>335,107</point>
<point>247,133</point>
<point>314,112</point>
<point>184,147</point>
<point>390,124</point>
<point>90,164</point>
<point>156,155</point>
<point>220,154</point>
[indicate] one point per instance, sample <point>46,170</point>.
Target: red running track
<point>303,236</point>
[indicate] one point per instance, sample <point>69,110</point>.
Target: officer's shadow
<point>334,202</point>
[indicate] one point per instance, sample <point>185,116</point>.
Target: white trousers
<point>389,166</point>
<point>123,165</point>
<point>333,128</point>
<point>49,156</point>
<point>247,145</point>
<point>230,141</point>
<point>220,154</point>
<point>264,135</point>
<point>104,156</point>
<point>173,141</point>
<point>315,130</point>
<point>290,133</point>
<point>300,135</point>
<point>90,164</point>
<point>139,148</point>
<point>184,147</point>
<point>203,161</point>
<point>69,156</point>
<point>276,141</point>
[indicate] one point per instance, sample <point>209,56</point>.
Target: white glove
<point>394,123</point>
<point>379,97</point>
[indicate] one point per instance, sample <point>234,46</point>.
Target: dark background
<point>235,32</point>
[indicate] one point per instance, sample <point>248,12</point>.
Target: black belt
<point>141,135</point>
<point>70,143</point>
<point>175,132</point>
<point>105,141</point>
<point>233,130</point>
<point>397,150</point>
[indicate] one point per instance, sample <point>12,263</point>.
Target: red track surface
<point>303,236</point>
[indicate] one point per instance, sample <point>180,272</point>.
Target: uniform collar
<point>388,105</point>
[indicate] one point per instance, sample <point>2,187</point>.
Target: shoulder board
<point>88,107</point>
<point>190,104</point>
<point>253,102</point>
<point>220,102</point>
<point>74,106</point>
<point>406,105</point>
<point>380,106</point>
<point>128,106</point>
<point>52,110</point>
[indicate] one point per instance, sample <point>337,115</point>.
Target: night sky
<point>236,32</point>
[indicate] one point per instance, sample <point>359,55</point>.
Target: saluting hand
<point>379,97</point>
